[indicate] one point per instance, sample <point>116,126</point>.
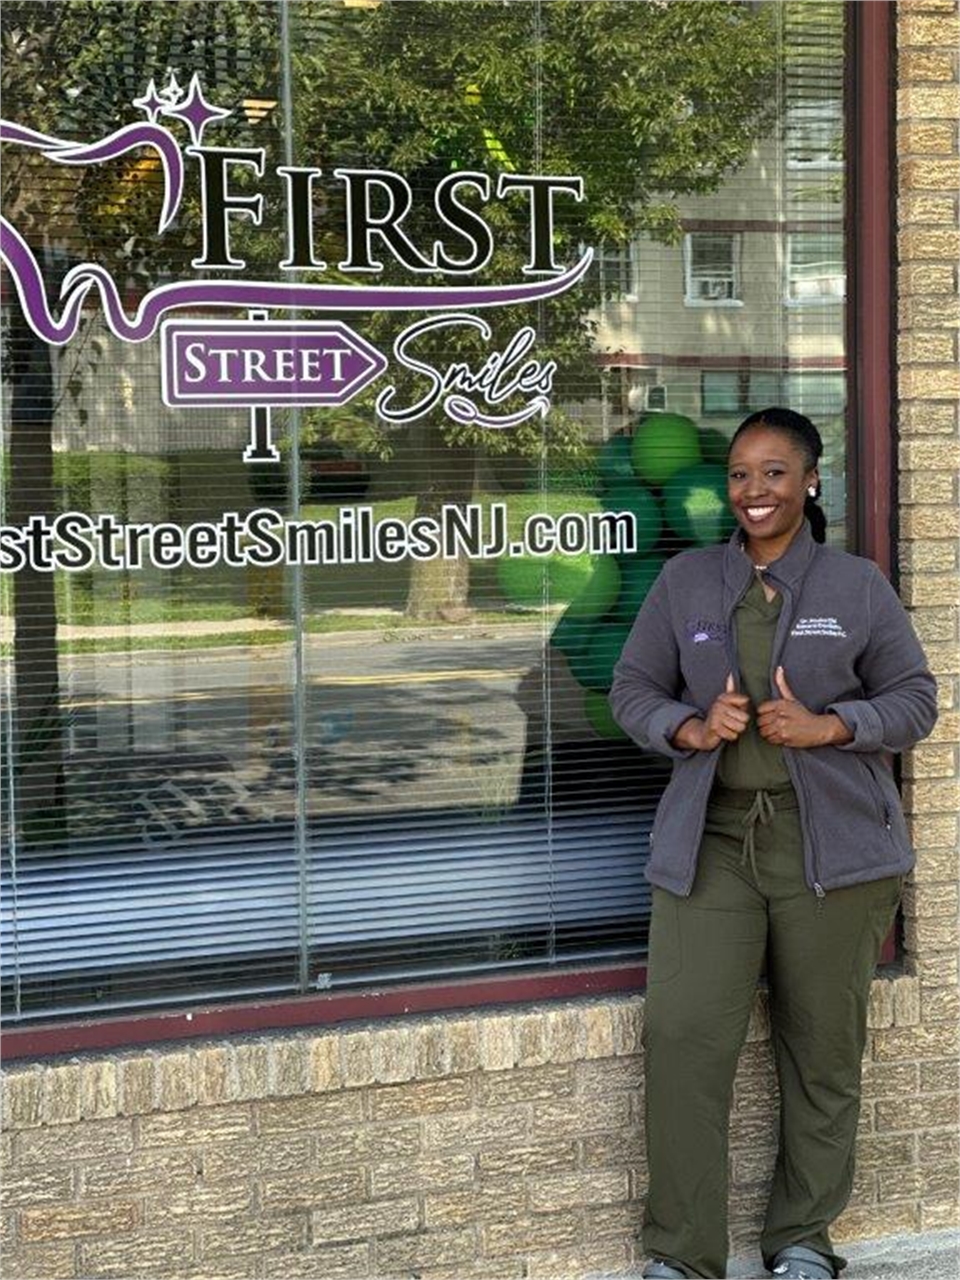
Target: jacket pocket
<point>875,787</point>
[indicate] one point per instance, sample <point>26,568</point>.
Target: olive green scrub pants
<point>750,906</point>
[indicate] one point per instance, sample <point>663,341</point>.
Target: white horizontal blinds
<point>436,787</point>
<point>431,858</point>
<point>149,853</point>
<point>814,251</point>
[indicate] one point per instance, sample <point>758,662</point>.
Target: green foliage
<point>128,485</point>
<point>73,68</point>
<point>645,101</point>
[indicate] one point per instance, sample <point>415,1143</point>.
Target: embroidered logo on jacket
<point>700,630</point>
<point>818,627</point>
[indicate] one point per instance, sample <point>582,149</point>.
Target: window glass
<point>713,267</point>
<point>816,269</point>
<point>721,391</point>
<point>617,268</point>
<point>316,561</point>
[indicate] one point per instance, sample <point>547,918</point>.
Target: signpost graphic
<point>263,363</point>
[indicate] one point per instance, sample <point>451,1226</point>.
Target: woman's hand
<point>786,722</point>
<point>725,721</point>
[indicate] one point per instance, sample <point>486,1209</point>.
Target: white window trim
<point>689,300</point>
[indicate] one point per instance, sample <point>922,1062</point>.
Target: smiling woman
<point>773,481</point>
<point>767,853</point>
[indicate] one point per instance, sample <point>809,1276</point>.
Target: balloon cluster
<point>672,477</point>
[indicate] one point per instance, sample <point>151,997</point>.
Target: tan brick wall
<point>491,1144</point>
<point>928,104</point>
<point>509,1144</point>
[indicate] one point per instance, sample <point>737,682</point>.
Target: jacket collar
<point>789,570</point>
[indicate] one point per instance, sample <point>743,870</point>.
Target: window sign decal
<point>269,363</point>
<point>262,362</point>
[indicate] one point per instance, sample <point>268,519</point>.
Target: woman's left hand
<point>786,722</point>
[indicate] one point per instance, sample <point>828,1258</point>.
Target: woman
<point>777,673</point>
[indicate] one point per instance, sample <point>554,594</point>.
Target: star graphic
<point>196,111</point>
<point>171,93</point>
<point>150,101</point>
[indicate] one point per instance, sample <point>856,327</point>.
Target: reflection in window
<point>815,267</point>
<point>618,269</point>
<point>712,267</point>
<point>814,134</point>
<point>273,779</point>
<point>720,391</point>
<point>819,393</point>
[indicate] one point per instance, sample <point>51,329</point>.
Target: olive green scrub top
<point>751,763</point>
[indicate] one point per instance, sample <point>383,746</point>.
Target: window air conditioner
<point>655,397</point>
<point>715,290</point>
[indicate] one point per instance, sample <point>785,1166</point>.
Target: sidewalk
<point>930,1255</point>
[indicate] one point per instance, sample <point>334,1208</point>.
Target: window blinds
<point>248,775</point>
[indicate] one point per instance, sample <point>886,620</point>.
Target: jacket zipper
<point>878,793</point>
<point>802,796</point>
<point>794,766</point>
<point>734,666</point>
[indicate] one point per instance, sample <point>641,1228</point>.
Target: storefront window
<point>311,598</point>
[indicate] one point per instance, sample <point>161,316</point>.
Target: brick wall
<point>928,107</point>
<point>508,1144</point>
<point>486,1145</point>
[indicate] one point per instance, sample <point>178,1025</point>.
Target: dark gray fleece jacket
<point>846,645</point>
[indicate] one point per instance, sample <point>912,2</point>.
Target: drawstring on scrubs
<point>762,811</point>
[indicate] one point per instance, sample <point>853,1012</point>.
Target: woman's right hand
<point>724,722</point>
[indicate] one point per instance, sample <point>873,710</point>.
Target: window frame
<point>624,259</point>
<point>690,297</point>
<point>870,418</point>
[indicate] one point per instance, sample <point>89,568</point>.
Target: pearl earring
<point>812,491</point>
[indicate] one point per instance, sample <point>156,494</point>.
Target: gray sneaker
<point>660,1270</point>
<point>797,1262</point>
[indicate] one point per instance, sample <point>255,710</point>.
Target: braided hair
<point>804,435</point>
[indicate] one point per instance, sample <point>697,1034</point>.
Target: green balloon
<point>597,710</point>
<point>594,668</point>
<point>616,462</point>
<point>535,581</point>
<point>637,576</point>
<point>641,503</point>
<point>696,506</point>
<point>572,634</point>
<point>599,593</point>
<point>714,446</point>
<point>663,444</point>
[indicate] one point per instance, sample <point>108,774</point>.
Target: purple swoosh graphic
<point>238,295</point>
<point>28,279</point>
<point>10,132</point>
<point>233,294</point>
